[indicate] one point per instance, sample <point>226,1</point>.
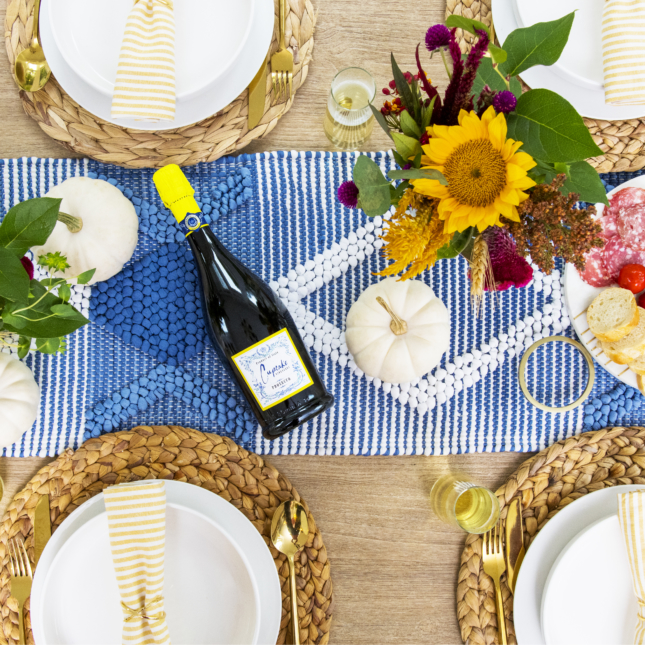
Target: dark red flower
<point>348,194</point>
<point>437,36</point>
<point>386,91</point>
<point>425,138</point>
<point>509,269</point>
<point>29,266</point>
<point>504,102</point>
<point>392,85</point>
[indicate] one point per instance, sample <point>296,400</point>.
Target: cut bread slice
<point>628,349</point>
<point>613,314</point>
<point>638,365</point>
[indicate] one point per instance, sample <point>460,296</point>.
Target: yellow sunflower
<point>485,172</point>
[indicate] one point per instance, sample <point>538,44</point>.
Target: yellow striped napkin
<point>145,78</point>
<point>623,51</point>
<point>631,514</point>
<point>137,522</point>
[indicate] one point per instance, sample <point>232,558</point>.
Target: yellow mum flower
<point>485,172</point>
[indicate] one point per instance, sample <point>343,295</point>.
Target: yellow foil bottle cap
<point>175,191</point>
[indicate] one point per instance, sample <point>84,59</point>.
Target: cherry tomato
<point>632,277</point>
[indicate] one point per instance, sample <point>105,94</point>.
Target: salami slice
<point>631,226</point>
<point>595,272</point>
<point>616,255</point>
<point>609,223</point>
<point>627,197</point>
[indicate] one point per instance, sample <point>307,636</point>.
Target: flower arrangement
<point>33,310</point>
<point>487,171</point>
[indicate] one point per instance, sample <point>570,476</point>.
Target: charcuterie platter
<point>621,262</point>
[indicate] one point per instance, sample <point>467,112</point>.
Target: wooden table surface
<point>394,565</point>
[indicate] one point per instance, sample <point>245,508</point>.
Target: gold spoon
<point>32,69</point>
<point>289,533</point>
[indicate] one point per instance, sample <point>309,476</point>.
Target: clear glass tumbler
<point>460,502</point>
<point>349,120</point>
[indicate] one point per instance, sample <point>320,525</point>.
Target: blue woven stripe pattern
<point>289,215</point>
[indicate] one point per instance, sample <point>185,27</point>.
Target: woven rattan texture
<point>546,483</point>
<point>170,452</point>
<point>221,134</point>
<point>623,142</point>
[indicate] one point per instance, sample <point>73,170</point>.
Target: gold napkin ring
<point>142,612</point>
<point>524,361</point>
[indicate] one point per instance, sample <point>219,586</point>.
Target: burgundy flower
<point>348,194</point>
<point>386,91</point>
<point>437,36</point>
<point>29,267</point>
<point>504,102</point>
<point>509,269</point>
<point>425,138</point>
<point>453,86</point>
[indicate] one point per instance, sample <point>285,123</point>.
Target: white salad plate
<point>219,48</point>
<point>544,552</point>
<point>596,559</point>
<point>578,74</point>
<point>578,295</point>
<point>220,581</point>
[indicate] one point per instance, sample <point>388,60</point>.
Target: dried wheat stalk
<point>481,274</point>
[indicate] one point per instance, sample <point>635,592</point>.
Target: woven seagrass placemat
<point>623,142</point>
<point>171,452</point>
<point>545,484</point>
<point>221,134</point>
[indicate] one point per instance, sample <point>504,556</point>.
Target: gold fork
<point>21,576</point>
<point>494,566</point>
<point>282,61</point>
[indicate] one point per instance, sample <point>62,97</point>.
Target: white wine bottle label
<point>273,369</point>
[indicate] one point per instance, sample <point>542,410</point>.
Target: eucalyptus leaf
<point>497,53</point>
<point>24,345</point>
<point>14,281</point>
<point>456,245</point>
<point>550,128</point>
<point>380,119</point>
<point>64,292</point>
<point>11,320</point>
<point>29,224</point>
<point>407,147</point>
<point>539,44</point>
<point>64,310</point>
<point>467,24</point>
<point>418,173</point>
<point>409,125</point>
<point>47,345</point>
<point>373,188</point>
<point>486,75</point>
<point>86,276</point>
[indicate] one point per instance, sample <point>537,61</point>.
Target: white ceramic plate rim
<point>214,510</point>
<point>588,102</point>
<point>68,51</point>
<point>572,544</point>
<point>544,551</point>
<point>188,111</point>
<point>577,297</point>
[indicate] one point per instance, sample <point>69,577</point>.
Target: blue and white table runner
<point>278,213</point>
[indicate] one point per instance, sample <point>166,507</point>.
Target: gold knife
<point>257,95</point>
<point>514,542</point>
<point>42,526</point>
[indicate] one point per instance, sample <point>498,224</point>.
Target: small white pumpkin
<point>19,398</point>
<point>397,330</point>
<point>109,228</point>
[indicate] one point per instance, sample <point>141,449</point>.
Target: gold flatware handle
<point>294,602</point>
<point>283,24</point>
<point>501,619</point>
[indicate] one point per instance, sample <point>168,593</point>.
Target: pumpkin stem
<point>74,224</point>
<point>397,325</point>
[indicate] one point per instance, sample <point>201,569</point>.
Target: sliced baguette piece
<point>628,349</point>
<point>638,365</point>
<point>613,314</point>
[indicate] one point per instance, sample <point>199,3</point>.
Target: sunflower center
<point>476,173</point>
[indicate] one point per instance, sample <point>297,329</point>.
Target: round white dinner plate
<point>209,36</point>
<point>596,559</point>
<point>197,102</point>
<point>544,551</point>
<point>220,582</point>
<point>577,75</point>
<point>578,295</point>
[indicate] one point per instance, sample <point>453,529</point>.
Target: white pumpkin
<point>109,231</point>
<point>397,330</point>
<point>19,398</point>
